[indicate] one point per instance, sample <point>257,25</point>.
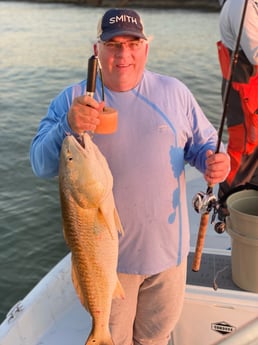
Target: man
<point>160,127</point>
<point>242,106</point>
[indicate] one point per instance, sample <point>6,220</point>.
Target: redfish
<point>91,225</point>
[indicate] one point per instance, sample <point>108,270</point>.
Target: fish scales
<point>91,224</point>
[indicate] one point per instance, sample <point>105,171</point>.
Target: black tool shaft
<point>92,74</point>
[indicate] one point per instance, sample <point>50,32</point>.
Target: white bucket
<point>242,226</point>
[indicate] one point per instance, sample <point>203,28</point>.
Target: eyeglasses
<point>114,46</point>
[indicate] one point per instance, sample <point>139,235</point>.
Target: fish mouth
<point>81,138</point>
<point>80,142</point>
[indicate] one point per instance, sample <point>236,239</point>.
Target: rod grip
<point>200,242</point>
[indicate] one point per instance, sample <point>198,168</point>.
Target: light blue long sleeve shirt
<point>160,128</point>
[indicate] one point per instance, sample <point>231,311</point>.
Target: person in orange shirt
<point>242,106</point>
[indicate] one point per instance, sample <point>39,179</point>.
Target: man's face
<point>123,60</point>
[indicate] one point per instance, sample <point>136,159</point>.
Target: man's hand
<point>84,114</point>
<point>217,167</point>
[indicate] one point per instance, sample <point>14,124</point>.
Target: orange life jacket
<point>242,115</point>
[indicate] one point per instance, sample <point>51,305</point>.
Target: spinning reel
<point>205,203</point>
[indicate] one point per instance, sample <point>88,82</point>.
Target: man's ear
<point>95,49</point>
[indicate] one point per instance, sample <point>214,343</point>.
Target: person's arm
<point>230,19</point>
<point>70,113</point>
<point>46,145</point>
<point>249,37</point>
<point>201,147</point>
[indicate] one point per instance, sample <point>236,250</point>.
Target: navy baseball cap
<point>120,22</point>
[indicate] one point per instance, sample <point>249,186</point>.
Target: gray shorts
<point>151,308</point>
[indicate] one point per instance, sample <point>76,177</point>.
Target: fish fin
<point>112,221</point>
<point>65,237</point>
<point>119,291</point>
<point>77,287</point>
<point>118,223</point>
<point>104,217</point>
<point>106,211</point>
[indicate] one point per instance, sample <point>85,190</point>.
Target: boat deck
<point>215,272</point>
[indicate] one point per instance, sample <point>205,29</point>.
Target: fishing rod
<point>205,202</point>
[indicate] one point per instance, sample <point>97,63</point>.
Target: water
<point>43,48</point>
